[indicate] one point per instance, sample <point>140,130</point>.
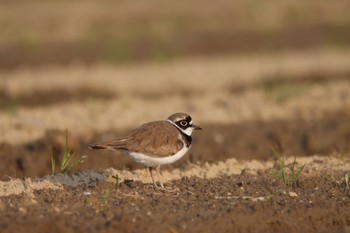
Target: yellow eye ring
<point>183,123</point>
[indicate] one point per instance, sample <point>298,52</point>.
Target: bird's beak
<point>196,127</point>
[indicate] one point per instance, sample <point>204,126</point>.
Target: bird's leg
<point>150,172</point>
<point>159,179</point>
<point>161,187</point>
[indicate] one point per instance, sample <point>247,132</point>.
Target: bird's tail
<point>100,147</point>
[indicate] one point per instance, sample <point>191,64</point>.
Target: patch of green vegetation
<point>69,161</point>
<point>8,103</point>
<point>281,89</point>
<point>289,177</point>
<point>11,106</point>
<point>29,42</point>
<point>163,54</point>
<point>107,195</point>
<point>53,163</point>
<point>338,36</point>
<point>108,45</point>
<point>137,43</point>
<point>126,103</point>
<point>117,51</point>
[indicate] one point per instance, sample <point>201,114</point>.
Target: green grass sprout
<point>117,180</point>
<point>109,190</point>
<point>106,197</point>
<point>289,178</point>
<point>280,89</point>
<point>53,163</point>
<point>294,178</point>
<point>68,160</point>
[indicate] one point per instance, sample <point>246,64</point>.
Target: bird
<point>155,143</point>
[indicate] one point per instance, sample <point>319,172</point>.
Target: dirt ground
<point>248,201</point>
<point>226,183</point>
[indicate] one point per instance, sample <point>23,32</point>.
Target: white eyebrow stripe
<point>177,119</point>
<point>172,123</point>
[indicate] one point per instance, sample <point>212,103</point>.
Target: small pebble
<point>292,194</point>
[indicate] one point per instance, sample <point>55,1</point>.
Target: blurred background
<point>255,74</point>
<point>37,33</point>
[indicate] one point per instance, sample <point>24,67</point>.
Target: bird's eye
<point>183,123</point>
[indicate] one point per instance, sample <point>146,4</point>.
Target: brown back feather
<point>158,138</point>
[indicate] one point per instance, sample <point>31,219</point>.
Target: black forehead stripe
<point>188,119</point>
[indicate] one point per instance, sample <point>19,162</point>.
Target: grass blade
<point>68,159</point>
<point>53,163</point>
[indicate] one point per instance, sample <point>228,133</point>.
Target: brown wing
<point>159,138</point>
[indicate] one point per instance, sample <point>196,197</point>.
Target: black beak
<point>196,127</point>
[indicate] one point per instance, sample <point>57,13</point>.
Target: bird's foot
<point>164,189</point>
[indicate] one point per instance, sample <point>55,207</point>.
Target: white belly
<point>150,161</point>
